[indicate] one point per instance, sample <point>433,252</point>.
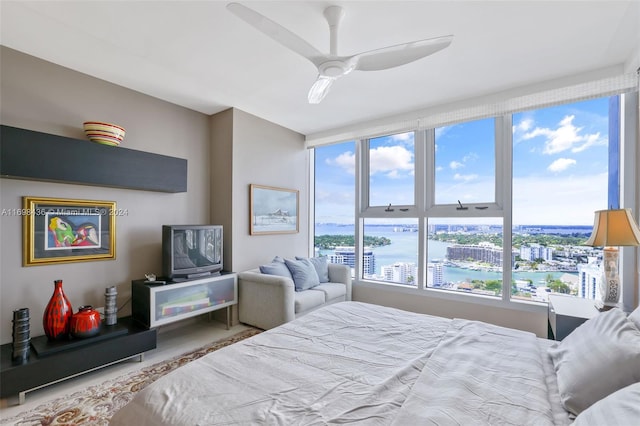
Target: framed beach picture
<point>57,230</point>
<point>273,210</point>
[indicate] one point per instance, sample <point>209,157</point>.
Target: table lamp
<point>612,228</point>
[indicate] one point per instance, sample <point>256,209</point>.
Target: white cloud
<point>556,200</point>
<point>346,161</point>
<point>402,137</point>
<point>465,178</point>
<point>561,164</point>
<point>440,131</point>
<point>455,165</point>
<point>472,156</point>
<point>524,125</point>
<point>565,137</point>
<point>386,159</point>
<point>390,160</point>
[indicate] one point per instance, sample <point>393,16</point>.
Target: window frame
<point>425,207</point>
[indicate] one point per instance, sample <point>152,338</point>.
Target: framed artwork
<point>273,210</point>
<point>57,230</point>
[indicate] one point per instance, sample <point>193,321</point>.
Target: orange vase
<point>57,314</point>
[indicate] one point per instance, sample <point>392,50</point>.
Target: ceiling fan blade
<point>393,56</point>
<point>277,32</point>
<point>320,89</point>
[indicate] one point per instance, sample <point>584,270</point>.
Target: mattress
<point>359,363</point>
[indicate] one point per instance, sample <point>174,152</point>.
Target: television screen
<point>192,250</point>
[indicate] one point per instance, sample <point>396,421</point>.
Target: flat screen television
<point>191,251</point>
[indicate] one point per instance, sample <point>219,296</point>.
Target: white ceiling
<point>199,55</point>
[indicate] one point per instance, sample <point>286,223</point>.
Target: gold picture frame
<point>273,210</point>
<point>59,230</point>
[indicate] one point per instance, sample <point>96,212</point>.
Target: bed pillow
<point>635,317</point>
<point>599,357</point>
<point>303,272</point>
<point>321,265</point>
<point>620,408</point>
<point>276,267</point>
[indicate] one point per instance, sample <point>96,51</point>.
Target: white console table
<point>159,304</point>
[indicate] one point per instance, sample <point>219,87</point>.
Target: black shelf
<point>31,155</point>
<point>38,371</point>
<point>45,347</point>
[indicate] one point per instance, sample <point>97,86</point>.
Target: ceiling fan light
<point>319,89</point>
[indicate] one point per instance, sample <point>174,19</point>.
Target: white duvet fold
<point>480,374</point>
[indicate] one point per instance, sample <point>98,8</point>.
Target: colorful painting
<point>273,210</point>
<point>59,230</point>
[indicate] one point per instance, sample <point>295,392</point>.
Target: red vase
<point>85,322</point>
<point>57,314</point>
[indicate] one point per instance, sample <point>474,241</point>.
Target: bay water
<point>404,248</point>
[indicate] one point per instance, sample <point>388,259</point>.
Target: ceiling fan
<point>332,66</point>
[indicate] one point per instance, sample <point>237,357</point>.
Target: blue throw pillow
<point>303,272</point>
<point>276,268</point>
<point>321,265</point>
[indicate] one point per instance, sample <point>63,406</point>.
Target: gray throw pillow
<point>322,267</point>
<point>303,272</point>
<point>277,267</point>
<point>596,359</point>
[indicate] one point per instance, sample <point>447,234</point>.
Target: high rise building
<point>483,252</point>
<point>435,275</point>
<point>536,251</point>
<point>400,272</point>
<point>347,256</point>
<point>589,277</point>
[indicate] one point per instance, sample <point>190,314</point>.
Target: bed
<point>360,363</point>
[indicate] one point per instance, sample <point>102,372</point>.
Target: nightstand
<point>566,313</point>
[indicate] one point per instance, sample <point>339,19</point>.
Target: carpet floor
<point>96,404</point>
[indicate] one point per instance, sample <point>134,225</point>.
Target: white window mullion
<point>362,197</point>
<point>630,176</point>
<point>504,152</point>
<point>421,185</point>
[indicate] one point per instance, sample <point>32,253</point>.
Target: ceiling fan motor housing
<point>335,69</point>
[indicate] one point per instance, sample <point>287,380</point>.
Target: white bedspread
<point>358,363</point>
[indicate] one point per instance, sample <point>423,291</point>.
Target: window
<point>466,255</point>
<point>560,177</point>
<point>465,162</point>
<point>335,202</point>
<point>391,170</point>
<point>497,207</point>
<point>390,251</point>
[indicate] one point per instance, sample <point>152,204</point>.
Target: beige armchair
<point>266,301</point>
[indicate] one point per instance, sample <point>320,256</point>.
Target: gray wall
<point>41,96</point>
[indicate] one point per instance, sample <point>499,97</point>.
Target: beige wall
<point>264,153</point>
<point>246,149</point>
<point>41,96</point>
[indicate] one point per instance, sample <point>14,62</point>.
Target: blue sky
<point>559,167</point>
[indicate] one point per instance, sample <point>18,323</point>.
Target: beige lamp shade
<point>614,228</point>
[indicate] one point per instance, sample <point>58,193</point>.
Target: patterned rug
<point>96,405</point>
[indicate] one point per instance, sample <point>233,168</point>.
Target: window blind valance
<point>512,101</point>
